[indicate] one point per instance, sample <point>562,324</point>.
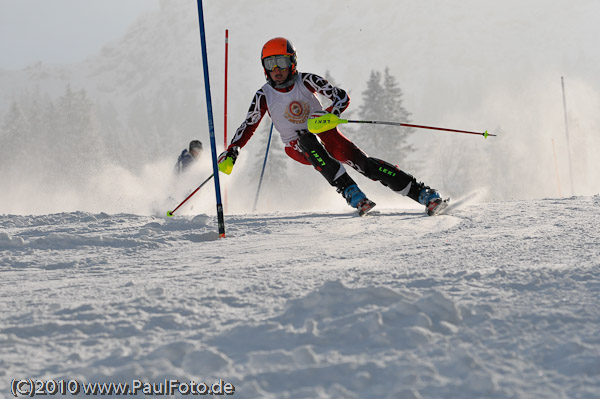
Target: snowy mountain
<point>496,300</point>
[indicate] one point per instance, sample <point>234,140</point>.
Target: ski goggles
<point>279,61</point>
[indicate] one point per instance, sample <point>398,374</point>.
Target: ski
<point>437,206</point>
<point>365,206</point>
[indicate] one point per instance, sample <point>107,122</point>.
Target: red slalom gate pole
<point>225,108</point>
<point>226,62</point>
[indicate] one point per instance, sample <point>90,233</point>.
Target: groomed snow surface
<point>493,300</point>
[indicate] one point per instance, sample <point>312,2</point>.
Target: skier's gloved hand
<point>321,121</point>
<point>227,159</point>
<point>317,114</point>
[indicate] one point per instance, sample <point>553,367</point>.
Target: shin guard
<point>387,174</point>
<point>318,156</point>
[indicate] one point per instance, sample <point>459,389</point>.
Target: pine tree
<point>112,130</point>
<point>382,100</point>
<point>394,111</point>
<point>75,142</point>
<point>329,78</point>
<point>372,108</point>
<point>141,130</point>
<point>348,114</point>
<point>14,122</point>
<point>45,137</point>
<point>38,140</point>
<point>15,130</point>
<point>25,134</point>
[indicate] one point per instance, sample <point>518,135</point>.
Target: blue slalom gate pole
<point>262,173</point>
<point>211,127</point>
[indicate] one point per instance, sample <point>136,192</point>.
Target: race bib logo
<point>297,112</point>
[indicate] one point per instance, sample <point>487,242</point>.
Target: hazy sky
<point>62,31</point>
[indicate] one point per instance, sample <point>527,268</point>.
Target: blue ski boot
<point>432,200</point>
<point>353,195</point>
<point>357,199</point>
<point>425,195</point>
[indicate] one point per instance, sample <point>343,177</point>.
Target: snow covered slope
<point>495,300</point>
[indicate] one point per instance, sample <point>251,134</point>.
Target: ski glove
<point>227,159</point>
<point>316,114</point>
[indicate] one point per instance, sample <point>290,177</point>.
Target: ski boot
<point>357,199</point>
<point>432,200</point>
<point>425,195</point>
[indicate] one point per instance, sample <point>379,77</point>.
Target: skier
<point>188,156</point>
<point>290,98</point>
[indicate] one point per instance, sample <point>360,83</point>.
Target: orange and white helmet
<point>281,53</point>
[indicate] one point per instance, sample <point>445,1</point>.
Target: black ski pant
<point>336,148</point>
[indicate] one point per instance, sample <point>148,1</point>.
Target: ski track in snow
<point>495,300</point>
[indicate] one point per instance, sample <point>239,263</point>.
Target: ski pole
<point>170,213</point>
<point>320,124</point>
<point>262,173</point>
